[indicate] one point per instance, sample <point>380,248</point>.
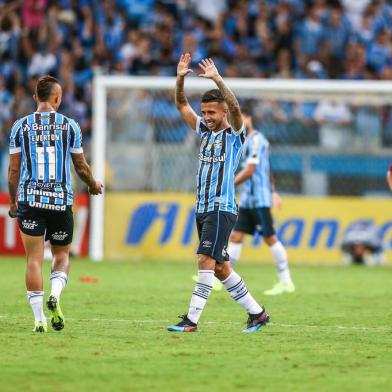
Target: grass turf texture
<point>332,334</point>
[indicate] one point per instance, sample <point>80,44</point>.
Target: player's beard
<point>214,126</point>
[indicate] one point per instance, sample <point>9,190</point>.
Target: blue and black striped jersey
<point>46,141</point>
<point>219,156</point>
<point>256,190</point>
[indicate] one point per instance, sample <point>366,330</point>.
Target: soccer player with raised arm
<point>216,209</point>
<point>255,206</point>
<point>41,147</point>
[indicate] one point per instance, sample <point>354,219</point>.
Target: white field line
<point>127,321</point>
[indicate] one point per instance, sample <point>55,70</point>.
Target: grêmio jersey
<point>256,190</point>
<point>45,141</point>
<point>219,156</point>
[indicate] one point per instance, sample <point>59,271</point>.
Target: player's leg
<point>58,281</point>
<point>279,254</point>
<point>32,229</point>
<point>244,225</point>
<point>234,247</point>
<point>233,282</point>
<point>201,292</point>
<point>60,269</point>
<point>208,230</point>
<point>34,247</point>
<point>59,233</point>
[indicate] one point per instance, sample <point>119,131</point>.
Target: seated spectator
<point>362,245</point>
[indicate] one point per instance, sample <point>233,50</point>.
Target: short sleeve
<point>255,151</point>
<point>76,138</point>
<point>239,136</point>
<point>14,145</point>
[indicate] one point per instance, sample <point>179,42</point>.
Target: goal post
<point>357,93</point>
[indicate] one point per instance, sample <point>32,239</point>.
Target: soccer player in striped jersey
<point>216,209</point>
<point>255,206</point>
<point>41,148</point>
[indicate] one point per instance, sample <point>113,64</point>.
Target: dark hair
<point>44,87</point>
<point>212,96</point>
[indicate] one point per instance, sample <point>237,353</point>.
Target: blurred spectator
<point>335,119</point>
<point>310,33</point>
<point>362,245</point>
<point>354,10</point>
<point>348,39</point>
<point>379,52</point>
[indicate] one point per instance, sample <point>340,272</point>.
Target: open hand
<point>96,188</point>
<point>209,69</point>
<point>183,65</point>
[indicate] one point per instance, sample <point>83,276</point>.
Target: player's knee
<point>34,260</point>
<point>236,237</point>
<point>271,240</point>
<point>205,262</point>
<point>222,271</point>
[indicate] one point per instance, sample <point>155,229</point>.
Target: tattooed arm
<point>13,181</point>
<point>182,103</point>
<point>211,72</point>
<point>84,172</point>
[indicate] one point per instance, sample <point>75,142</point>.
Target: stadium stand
<point>73,40</point>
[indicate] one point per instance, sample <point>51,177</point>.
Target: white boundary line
<point>307,326</point>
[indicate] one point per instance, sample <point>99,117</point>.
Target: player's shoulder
<point>18,123</point>
<point>236,134</point>
<point>71,121</point>
<point>259,137</point>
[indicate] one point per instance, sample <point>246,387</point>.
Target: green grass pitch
<point>332,334</point>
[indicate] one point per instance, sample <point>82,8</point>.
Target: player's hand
<point>96,188</point>
<point>12,210</point>
<point>389,178</point>
<point>183,65</point>
<point>276,200</point>
<point>209,69</point>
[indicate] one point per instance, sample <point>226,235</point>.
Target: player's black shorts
<point>58,225</point>
<point>214,230</point>
<point>251,220</point>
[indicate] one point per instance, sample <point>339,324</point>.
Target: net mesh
<point>321,144</point>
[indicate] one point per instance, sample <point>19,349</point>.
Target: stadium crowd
<point>73,40</point>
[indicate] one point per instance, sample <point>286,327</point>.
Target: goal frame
<point>367,92</point>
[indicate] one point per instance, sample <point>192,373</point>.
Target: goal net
<point>327,137</point>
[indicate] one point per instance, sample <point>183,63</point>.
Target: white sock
<point>237,289</point>
<point>234,251</point>
<point>58,280</point>
<point>200,294</point>
<point>282,265</point>
<point>36,299</point>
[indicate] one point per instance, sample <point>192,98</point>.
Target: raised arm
<point>182,103</point>
<point>84,172</point>
<point>211,72</point>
